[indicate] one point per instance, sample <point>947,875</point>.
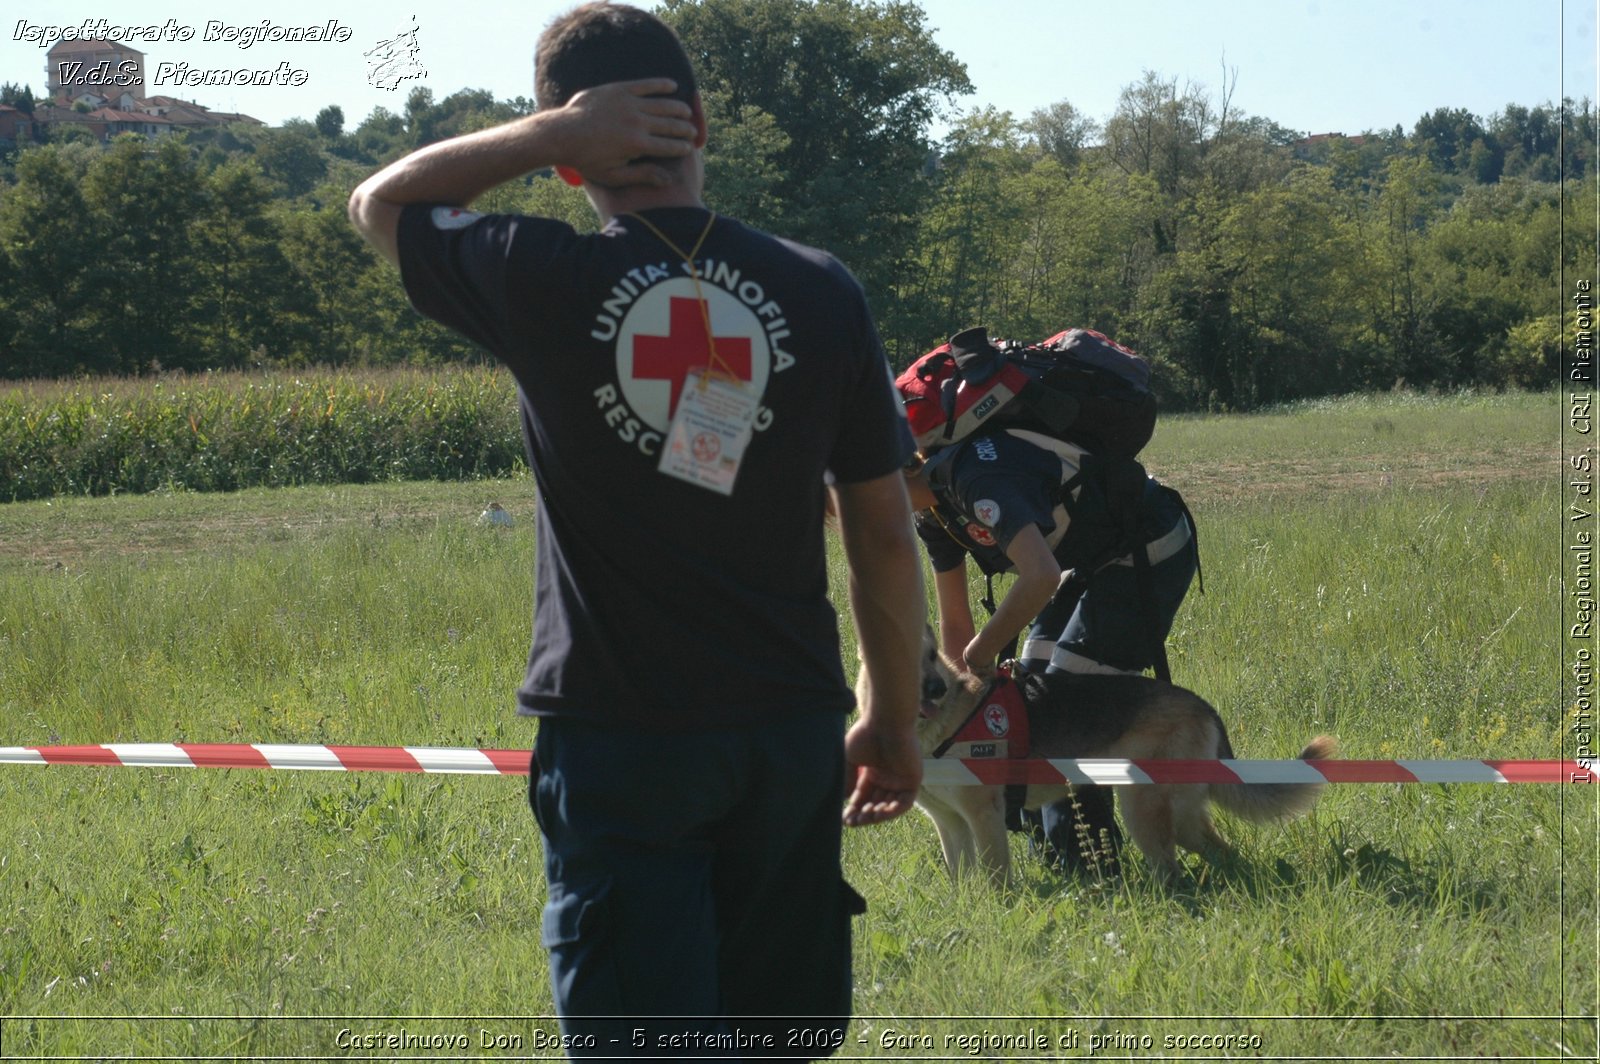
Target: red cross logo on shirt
<point>685,348</point>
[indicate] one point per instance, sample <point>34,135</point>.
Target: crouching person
<point>1103,556</point>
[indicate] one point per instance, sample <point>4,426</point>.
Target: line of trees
<point>1251,264</point>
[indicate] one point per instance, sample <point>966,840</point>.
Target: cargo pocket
<point>576,930</point>
<point>825,990</point>
<point>851,902</point>
<point>574,916</point>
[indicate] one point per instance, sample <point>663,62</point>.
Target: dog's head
<point>948,695</point>
<point>937,675</point>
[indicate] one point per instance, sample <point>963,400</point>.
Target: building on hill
<point>99,86</point>
<point>104,123</point>
<point>104,68</point>
<point>15,126</point>
<point>1328,138</point>
<point>90,100</point>
<point>1318,147</point>
<point>114,121</point>
<point>186,114</point>
<point>50,121</point>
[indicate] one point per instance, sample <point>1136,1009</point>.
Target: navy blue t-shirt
<point>992,486</point>
<point>660,603</point>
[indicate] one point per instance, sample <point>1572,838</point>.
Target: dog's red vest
<point>997,729</point>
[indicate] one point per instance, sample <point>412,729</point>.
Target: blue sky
<point>1312,65</point>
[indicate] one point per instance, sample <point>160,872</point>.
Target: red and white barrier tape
<point>1098,770</point>
<point>271,755</point>
<point>945,772</point>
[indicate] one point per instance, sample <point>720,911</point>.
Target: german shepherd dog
<point>1095,716</point>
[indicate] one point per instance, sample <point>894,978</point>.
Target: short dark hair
<point>599,43</point>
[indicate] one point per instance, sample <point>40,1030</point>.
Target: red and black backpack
<point>1079,386</point>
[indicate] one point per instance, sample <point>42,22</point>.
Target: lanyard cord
<point>716,364</point>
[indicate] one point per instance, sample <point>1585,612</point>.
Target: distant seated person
<point>1065,523</point>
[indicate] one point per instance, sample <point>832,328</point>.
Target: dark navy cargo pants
<point>696,903</point>
<point>1108,627</point>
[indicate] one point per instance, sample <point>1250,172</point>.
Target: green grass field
<point>1388,570</point>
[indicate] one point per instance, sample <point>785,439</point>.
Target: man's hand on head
<point>614,135</point>
<point>618,134</point>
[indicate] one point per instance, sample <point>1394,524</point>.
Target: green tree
<point>972,226</point>
<point>10,363</point>
<point>1580,133</point>
<point>1397,300</point>
<point>1529,141</point>
<point>460,112</point>
<point>330,122</point>
<point>18,96</point>
<point>144,197</point>
<point>1446,137</point>
<point>1094,236</point>
<point>1483,162</point>
<point>742,174</point>
<point>1248,153</point>
<point>1155,130</point>
<point>1491,263</point>
<point>418,103</point>
<point>1579,240</point>
<point>1187,314</point>
<point>56,268</point>
<point>853,87</point>
<point>1293,252</point>
<point>1529,355</point>
<point>1160,132</point>
<point>1062,132</point>
<point>71,134</point>
<point>292,157</point>
<point>380,138</point>
<point>241,267</point>
<point>326,256</point>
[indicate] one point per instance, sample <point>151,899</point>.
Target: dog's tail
<point>1274,801</point>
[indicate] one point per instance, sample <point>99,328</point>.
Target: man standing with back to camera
<point>685,384</point>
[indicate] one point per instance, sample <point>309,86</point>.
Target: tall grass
<point>225,431</point>
<point>261,913</point>
<point>363,635</point>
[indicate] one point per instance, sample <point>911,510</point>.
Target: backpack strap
<point>975,357</point>
<point>974,360</point>
<point>1122,481</point>
<point>1194,533</point>
<point>1124,485</point>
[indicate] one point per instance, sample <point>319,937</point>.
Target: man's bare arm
<point>600,134</point>
<point>956,627</point>
<point>890,610</point>
<point>1038,576</point>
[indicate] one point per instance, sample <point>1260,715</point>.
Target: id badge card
<point>713,423</point>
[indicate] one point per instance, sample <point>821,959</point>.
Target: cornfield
<point>227,431</point>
